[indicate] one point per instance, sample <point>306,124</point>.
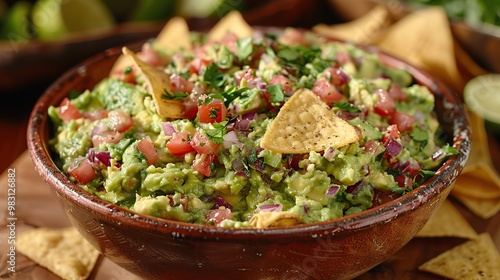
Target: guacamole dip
<point>208,166</point>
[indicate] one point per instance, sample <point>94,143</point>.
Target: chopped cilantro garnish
<point>213,113</point>
<point>422,177</point>
<point>345,106</point>
<point>419,134</point>
<point>173,95</point>
<point>127,70</point>
<point>216,131</point>
<point>231,94</point>
<point>449,150</point>
<point>213,76</point>
<point>276,93</point>
<point>252,157</point>
<point>244,47</point>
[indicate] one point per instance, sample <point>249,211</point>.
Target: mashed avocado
<point>209,168</point>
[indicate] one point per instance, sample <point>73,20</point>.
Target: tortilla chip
<point>304,124</point>
<point>174,36</point>
<point>481,207</point>
<point>157,83</point>
<point>480,181</point>
<point>363,30</point>
<point>232,22</point>
<point>447,221</point>
<point>274,219</point>
<point>63,251</point>
<point>474,259</point>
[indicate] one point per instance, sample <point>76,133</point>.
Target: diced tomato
<point>68,111</point>
<point>229,40</point>
<point>404,121</point>
<point>215,111</point>
<point>248,75</point>
<point>293,36</point>
<point>147,148</point>
<point>107,136</point>
<point>343,58</point>
<point>179,144</point>
<point>126,74</point>
<point>150,56</point>
<point>326,91</point>
<point>120,120</point>
<point>96,115</point>
<point>216,216</point>
<point>409,170</point>
<point>373,147</point>
<point>391,133</point>
<point>82,171</point>
<point>397,93</point>
<point>198,64</point>
<point>190,107</point>
<point>385,105</point>
<point>286,83</point>
<point>336,76</point>
<point>180,84</point>
<point>202,163</point>
<point>202,145</point>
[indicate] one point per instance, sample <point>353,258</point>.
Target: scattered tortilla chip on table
<point>481,207</point>
<point>474,259</point>
<point>62,251</point>
<point>447,222</point>
<point>232,22</point>
<point>158,83</point>
<point>304,124</point>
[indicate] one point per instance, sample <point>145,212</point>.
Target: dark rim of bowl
<point>62,186</point>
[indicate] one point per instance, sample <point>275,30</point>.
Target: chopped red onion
<point>305,208</point>
<point>332,191</point>
<point>393,148</point>
<point>366,169</point>
<point>271,207</point>
<point>330,153</point>
<point>438,155</point>
<point>168,128</point>
<point>220,202</point>
<point>231,139</point>
<point>96,158</point>
<point>237,164</point>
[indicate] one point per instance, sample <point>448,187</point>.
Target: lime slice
<point>151,10</point>
<point>206,8</point>
<point>54,19</point>
<point>482,96</point>
<point>16,26</point>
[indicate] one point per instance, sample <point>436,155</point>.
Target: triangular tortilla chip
<point>63,251</point>
<point>274,219</point>
<point>447,221</point>
<point>174,36</point>
<point>157,83</point>
<point>304,124</point>
<point>474,259</point>
<point>482,207</point>
<point>232,22</point>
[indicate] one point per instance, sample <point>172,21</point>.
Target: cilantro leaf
<point>244,48</point>
<point>449,150</point>
<point>419,134</point>
<point>231,94</point>
<point>213,76</point>
<point>216,131</point>
<point>346,106</point>
<point>173,95</point>
<point>276,93</point>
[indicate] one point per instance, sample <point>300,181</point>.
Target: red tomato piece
<point>286,83</point>
<point>83,172</point>
<point>203,163</point>
<point>202,145</point>
<point>215,111</point>
<point>404,121</point>
<point>326,91</point>
<point>385,105</point>
<point>147,148</point>
<point>180,84</point>
<point>150,56</point>
<point>179,144</point>
<point>391,133</point>
<point>120,120</point>
<point>397,93</point>
<point>229,40</point>
<point>107,136</point>
<point>68,111</point>
<point>198,64</point>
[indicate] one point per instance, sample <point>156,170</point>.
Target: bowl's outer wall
<point>158,249</point>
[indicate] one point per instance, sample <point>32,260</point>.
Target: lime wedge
<point>54,19</point>
<point>16,25</point>
<point>151,10</point>
<point>482,96</point>
<point>206,8</point>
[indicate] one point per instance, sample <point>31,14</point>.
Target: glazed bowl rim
<point>62,186</point>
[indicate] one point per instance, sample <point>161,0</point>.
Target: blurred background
<point>41,39</point>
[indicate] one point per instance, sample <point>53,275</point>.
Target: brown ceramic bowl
<point>155,248</point>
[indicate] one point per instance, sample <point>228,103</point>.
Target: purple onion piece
<point>271,207</point>
<point>238,164</point>
<point>366,169</point>
<point>332,191</point>
<point>230,139</point>
<point>305,208</point>
<point>96,158</point>
<point>438,155</point>
<point>168,128</point>
<point>393,148</point>
<point>220,202</point>
<point>330,153</point>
